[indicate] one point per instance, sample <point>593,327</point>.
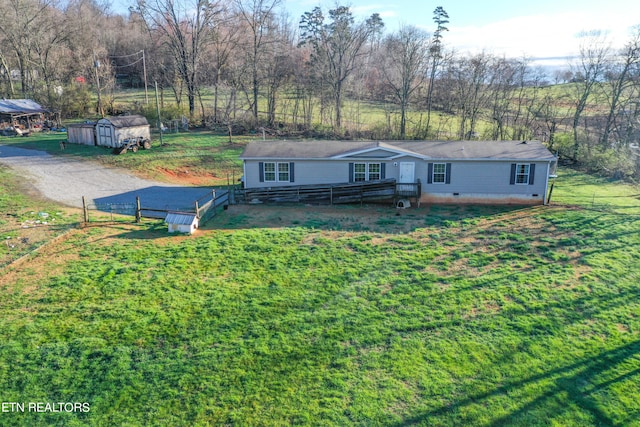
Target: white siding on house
<point>474,181</point>
<point>307,172</point>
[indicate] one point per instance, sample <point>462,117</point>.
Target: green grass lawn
<point>458,316</point>
<point>27,222</point>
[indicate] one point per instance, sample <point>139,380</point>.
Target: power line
<point>126,56</point>
<point>130,64</point>
<point>144,68</point>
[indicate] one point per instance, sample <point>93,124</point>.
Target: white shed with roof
<point>182,222</point>
<point>112,131</point>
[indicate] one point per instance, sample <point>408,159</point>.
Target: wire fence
<point>622,204</point>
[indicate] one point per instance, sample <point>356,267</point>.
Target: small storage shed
<point>112,131</point>
<point>182,222</point>
<point>82,133</point>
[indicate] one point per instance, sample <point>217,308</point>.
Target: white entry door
<point>407,172</point>
<point>407,175</point>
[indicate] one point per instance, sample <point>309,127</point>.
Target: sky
<point>544,30</point>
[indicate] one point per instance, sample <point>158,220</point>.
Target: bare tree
<point>336,47</point>
<point>621,78</point>
<point>185,28</point>
<point>594,52</point>
<point>279,70</point>
<point>470,78</point>
<point>25,22</point>
<point>225,42</point>
<point>404,56</point>
<point>5,74</point>
<point>259,17</point>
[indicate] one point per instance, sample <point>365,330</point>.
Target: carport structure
<point>23,114</point>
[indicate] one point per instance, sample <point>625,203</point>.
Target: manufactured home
<point>494,172</point>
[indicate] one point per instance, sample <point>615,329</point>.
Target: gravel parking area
<point>66,181</point>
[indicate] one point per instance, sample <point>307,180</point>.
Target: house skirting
<point>482,198</point>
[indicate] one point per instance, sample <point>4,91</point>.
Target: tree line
<point>246,62</point>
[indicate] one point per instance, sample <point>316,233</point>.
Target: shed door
<point>105,136</point>
<point>407,175</point>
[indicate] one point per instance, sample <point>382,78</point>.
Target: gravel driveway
<point>66,180</point>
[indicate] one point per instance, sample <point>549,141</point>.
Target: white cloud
<point>538,36</point>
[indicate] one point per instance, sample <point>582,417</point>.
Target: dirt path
<point>67,180</point>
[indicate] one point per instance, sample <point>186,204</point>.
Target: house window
<point>374,171</point>
<point>366,172</point>
<point>439,172</point>
<point>359,172</point>
<point>269,172</point>
<point>276,172</point>
<point>522,173</point>
<point>283,172</point>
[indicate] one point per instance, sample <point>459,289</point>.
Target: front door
<point>407,175</point>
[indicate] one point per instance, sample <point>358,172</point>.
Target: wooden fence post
<point>138,213</point>
<point>85,210</point>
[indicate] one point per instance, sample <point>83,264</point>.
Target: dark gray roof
<point>469,150</point>
<point>126,121</point>
<point>303,149</point>
<point>438,150</point>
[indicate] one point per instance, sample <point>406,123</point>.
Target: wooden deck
<point>369,191</point>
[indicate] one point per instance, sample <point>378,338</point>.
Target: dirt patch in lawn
<point>346,218</point>
<point>187,177</point>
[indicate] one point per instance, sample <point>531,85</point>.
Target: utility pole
<point>158,111</point>
<point>144,71</point>
<point>96,65</point>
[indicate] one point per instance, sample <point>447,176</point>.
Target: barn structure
<point>21,115</point>
<point>112,131</point>
<point>490,172</point>
<point>82,133</point>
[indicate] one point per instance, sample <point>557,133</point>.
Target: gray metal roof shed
<point>111,131</point>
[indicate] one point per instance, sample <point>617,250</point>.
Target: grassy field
<point>27,221</point>
<point>272,315</point>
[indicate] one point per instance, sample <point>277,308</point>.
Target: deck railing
<point>408,189</point>
<point>386,189</point>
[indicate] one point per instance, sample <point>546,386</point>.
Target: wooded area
<point>245,64</point>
